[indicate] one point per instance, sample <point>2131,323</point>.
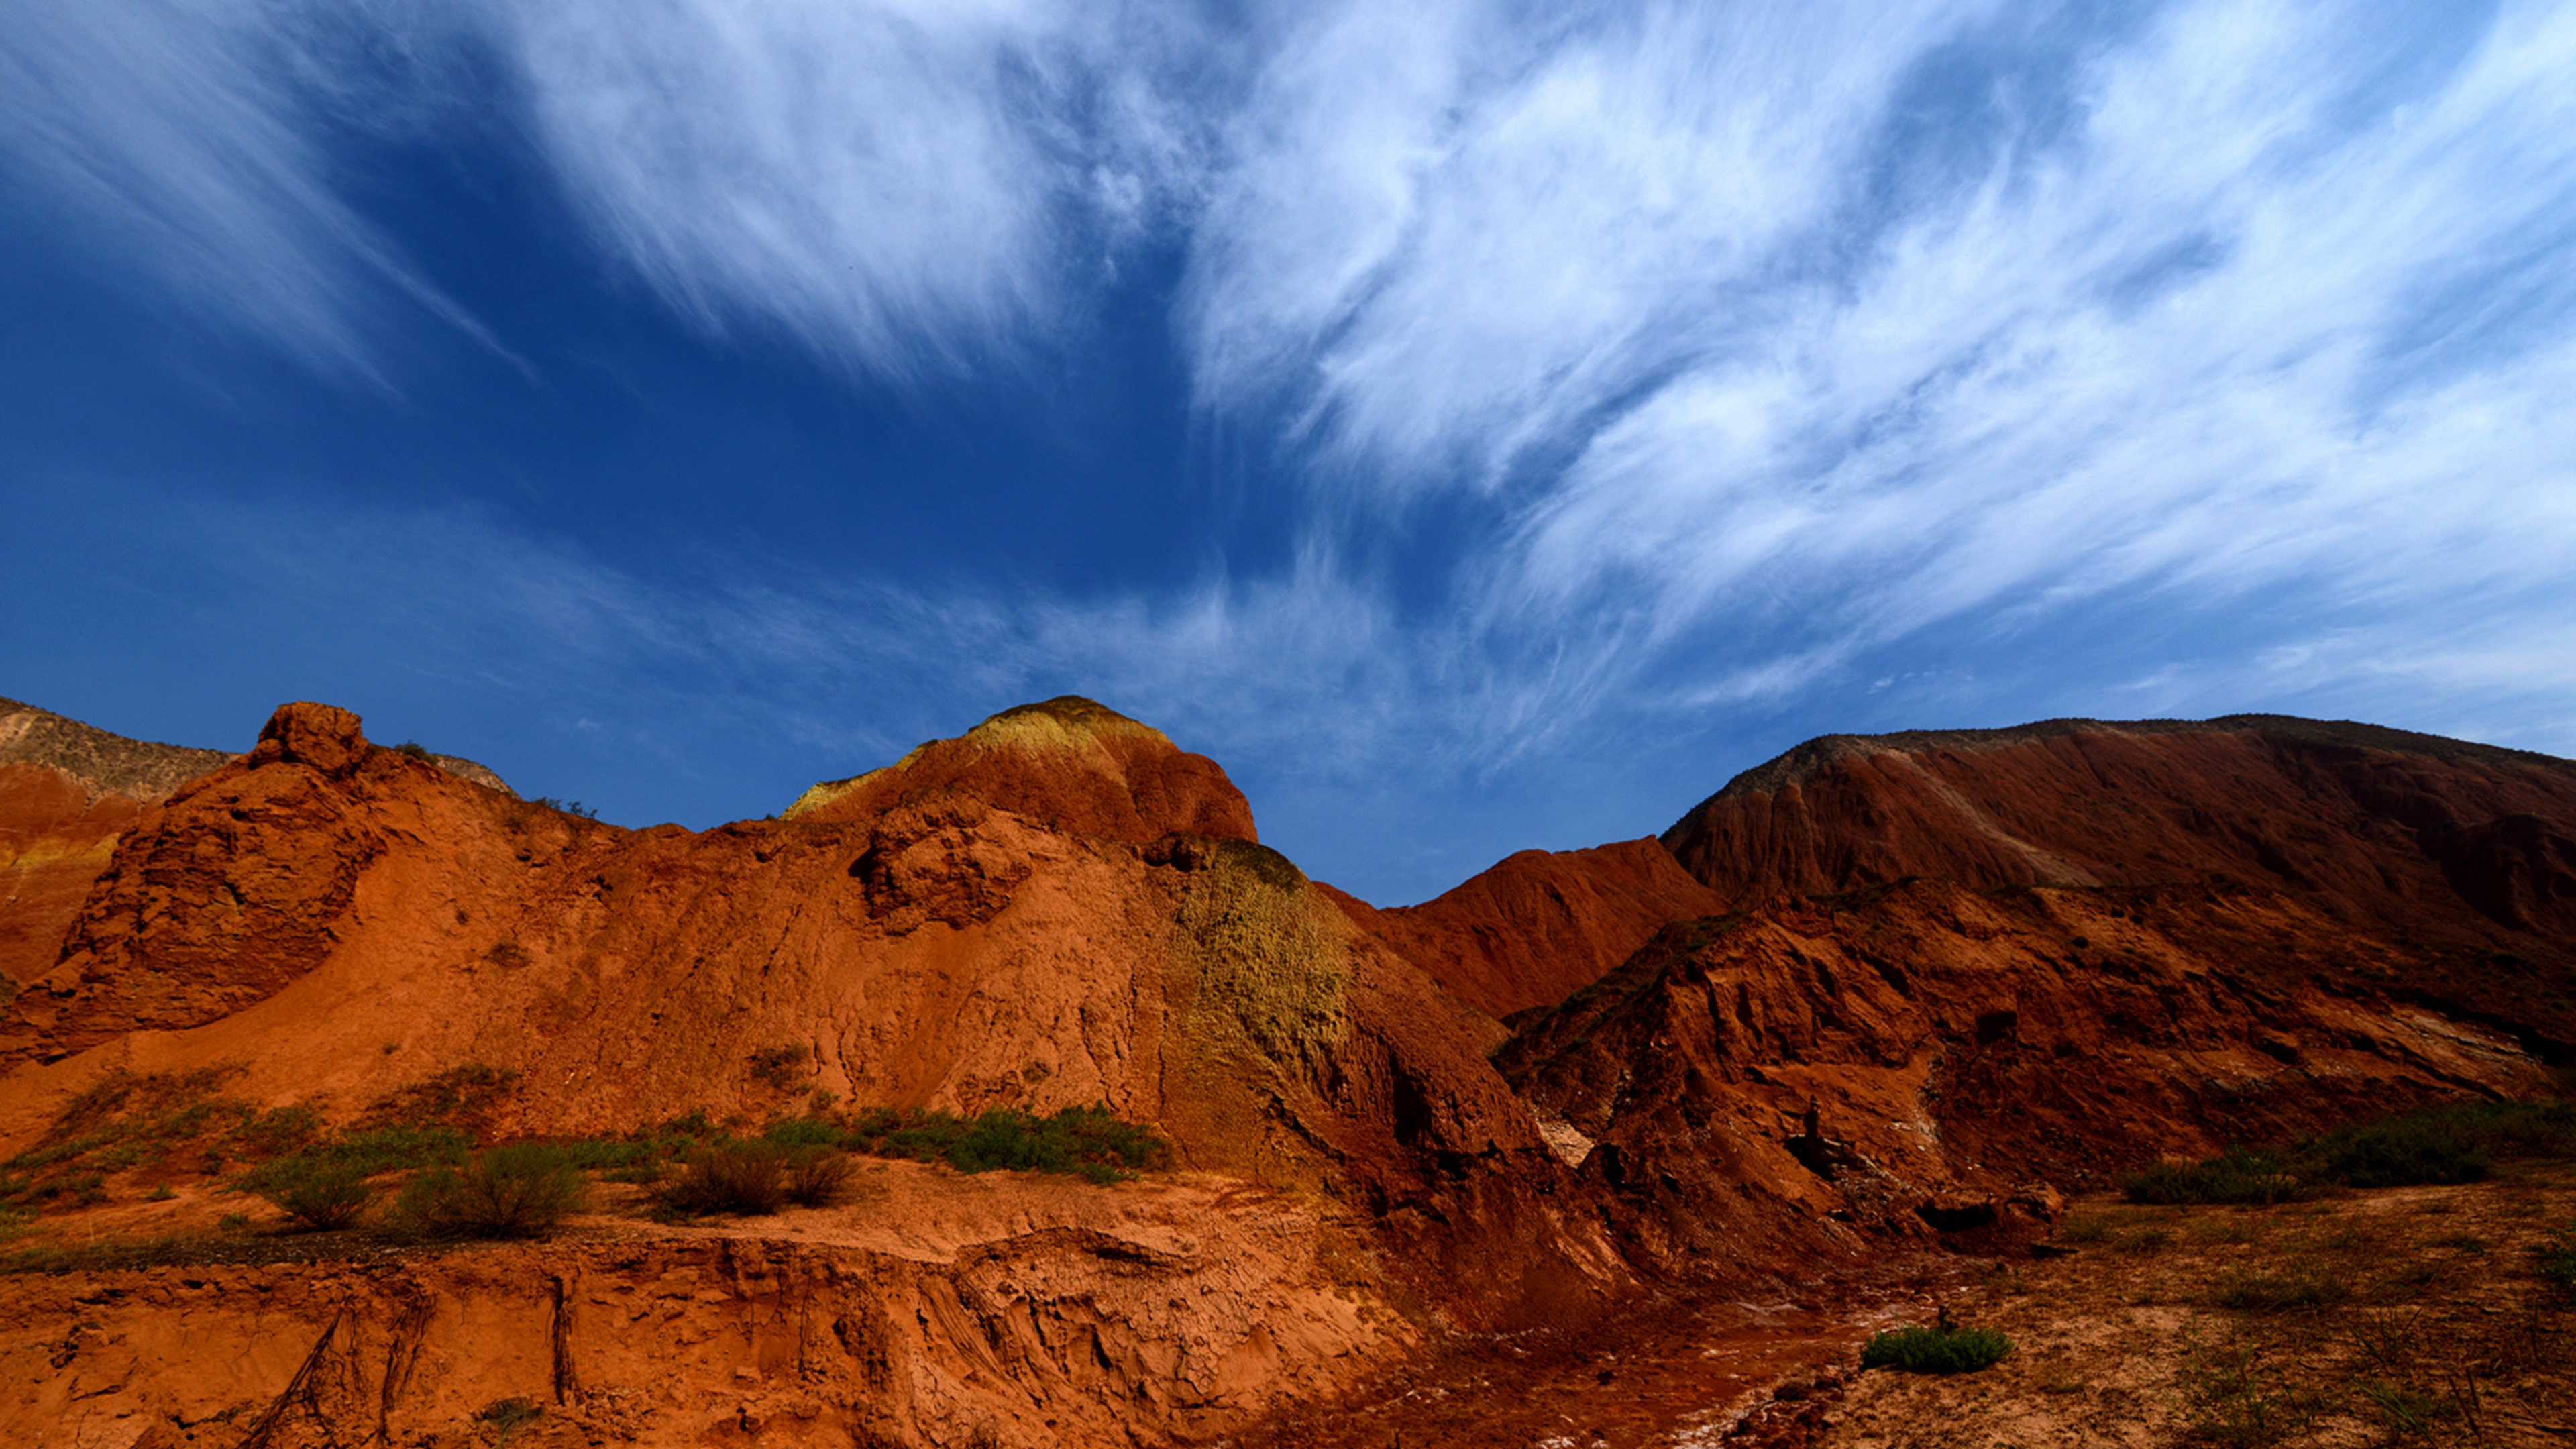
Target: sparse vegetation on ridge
<point>421,1145</point>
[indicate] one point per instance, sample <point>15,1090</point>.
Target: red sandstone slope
<point>1540,924</point>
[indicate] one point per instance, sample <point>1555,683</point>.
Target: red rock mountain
<point>2379,825</point>
<point>1879,994</point>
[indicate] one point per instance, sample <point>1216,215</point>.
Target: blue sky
<point>1475,425</point>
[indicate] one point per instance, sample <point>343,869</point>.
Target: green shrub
<point>1089,1141</point>
<point>2234,1176</point>
<point>2407,1411</point>
<point>795,1132</point>
<point>461,1097</point>
<point>744,1178</point>
<point>319,1193</point>
<point>2235,1397</point>
<point>1935,1350</point>
<point>507,1192</point>
<point>780,1067</point>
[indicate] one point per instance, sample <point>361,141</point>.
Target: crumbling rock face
<point>216,898</point>
<point>1927,1058</point>
<point>1183,1320</point>
<point>927,860</point>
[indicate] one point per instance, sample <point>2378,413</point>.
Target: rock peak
<point>323,736</point>
<point>1068,761</point>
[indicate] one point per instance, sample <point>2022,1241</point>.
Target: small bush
<point>744,1178</point>
<point>2407,1411</point>
<point>2234,1397</point>
<point>818,1177</point>
<point>460,1097</point>
<point>1935,1350</point>
<point>507,1192</point>
<point>2558,1258</point>
<point>320,1194</point>
<point>2085,1228</point>
<point>413,750</point>
<point>508,1416</point>
<point>278,1131</point>
<point>796,1132</point>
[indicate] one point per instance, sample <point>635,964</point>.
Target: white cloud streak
<point>912,186</point>
<point>167,128</point>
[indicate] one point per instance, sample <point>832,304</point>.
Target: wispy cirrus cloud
<point>2171,350</point>
<point>908,187</point>
<point>179,139</point>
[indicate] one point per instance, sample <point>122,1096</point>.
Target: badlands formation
<point>1881,998</point>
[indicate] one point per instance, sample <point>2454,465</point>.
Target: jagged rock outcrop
<point>1967,1052</point>
<point>68,791</point>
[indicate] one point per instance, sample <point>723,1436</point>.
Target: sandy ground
<point>2413,1315</point>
